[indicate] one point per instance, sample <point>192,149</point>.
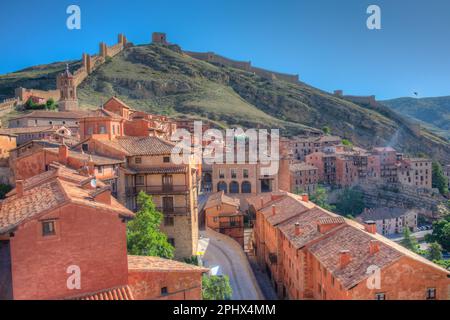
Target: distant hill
<point>162,79</point>
<point>434,113</point>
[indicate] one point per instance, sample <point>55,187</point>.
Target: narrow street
<point>225,257</point>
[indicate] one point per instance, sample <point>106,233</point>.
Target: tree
<point>326,130</point>
<point>50,104</point>
<point>439,180</point>
<point>409,241</point>
<point>216,288</point>
<point>320,197</point>
<point>441,233</point>
<point>144,237</point>
<point>434,251</point>
<point>350,202</point>
<point>347,143</point>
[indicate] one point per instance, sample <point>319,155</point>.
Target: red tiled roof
<point>327,251</point>
<point>29,130</point>
<point>123,104</point>
<point>345,235</point>
<point>308,225</point>
<point>149,264</point>
<point>285,208</point>
<point>141,146</point>
<point>120,293</point>
<point>48,191</point>
<point>54,115</point>
<point>218,198</point>
<point>102,113</point>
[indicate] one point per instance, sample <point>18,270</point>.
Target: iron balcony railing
<point>163,189</point>
<point>174,210</point>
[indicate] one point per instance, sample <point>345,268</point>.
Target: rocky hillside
<point>433,113</point>
<point>163,80</point>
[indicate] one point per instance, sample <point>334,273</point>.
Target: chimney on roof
<point>274,210</point>
<point>370,226</point>
<point>19,188</point>
<point>91,166</point>
<point>305,197</point>
<point>63,154</point>
<point>344,258</point>
<point>298,230</point>
<point>374,247</point>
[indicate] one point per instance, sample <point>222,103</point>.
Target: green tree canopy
<point>409,241</point>
<point>441,233</point>
<point>326,130</point>
<point>216,288</point>
<point>434,252</point>
<point>439,180</point>
<point>347,142</point>
<point>144,237</point>
<point>350,202</point>
<point>320,197</point>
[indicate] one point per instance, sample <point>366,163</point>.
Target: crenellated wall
<point>211,57</point>
<point>23,94</point>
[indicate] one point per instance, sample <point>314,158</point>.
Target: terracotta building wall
<point>181,285</point>
<point>406,279</point>
<point>218,220</point>
<point>34,164</point>
<point>97,246</point>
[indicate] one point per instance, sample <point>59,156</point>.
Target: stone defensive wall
<point>211,57</point>
<point>92,62</point>
<point>8,105</point>
<point>368,100</point>
<point>371,101</point>
<point>23,94</point>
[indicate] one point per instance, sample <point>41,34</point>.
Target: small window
<point>85,147</point>
<point>138,160</point>
<point>100,169</point>
<point>140,180</point>
<point>221,174</point>
<point>380,296</point>
<point>233,174</point>
<point>164,291</point>
<point>431,293</point>
<point>245,173</point>
<point>169,221</point>
<point>171,241</point>
<point>48,228</point>
<point>166,159</point>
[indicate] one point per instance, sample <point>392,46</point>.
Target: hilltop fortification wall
<point>8,105</point>
<point>88,65</point>
<point>211,57</point>
<point>23,94</point>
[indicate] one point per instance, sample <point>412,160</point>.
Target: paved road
<point>419,235</point>
<point>225,257</point>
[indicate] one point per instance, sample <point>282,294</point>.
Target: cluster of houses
<point>77,173</point>
<point>343,165</point>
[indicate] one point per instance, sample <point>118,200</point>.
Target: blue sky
<point>325,41</point>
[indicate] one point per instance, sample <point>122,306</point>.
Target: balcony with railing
<point>176,211</point>
<point>161,189</point>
